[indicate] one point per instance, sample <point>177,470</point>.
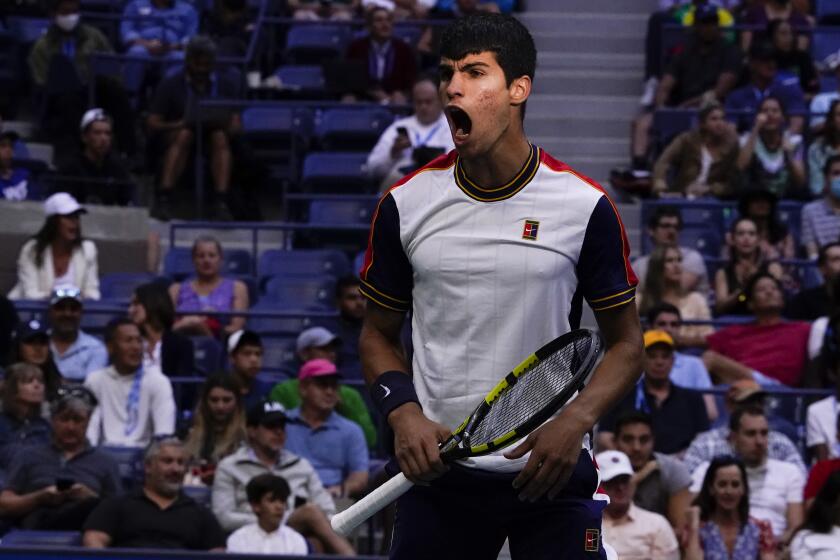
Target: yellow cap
<point>658,337</point>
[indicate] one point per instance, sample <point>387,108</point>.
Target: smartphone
<point>402,131</point>
<point>62,483</point>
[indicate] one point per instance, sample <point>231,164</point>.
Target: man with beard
<point>158,515</point>
<point>351,311</point>
<point>75,352</point>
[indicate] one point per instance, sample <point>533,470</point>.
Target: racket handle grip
<point>343,523</point>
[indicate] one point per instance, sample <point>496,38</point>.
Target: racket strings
<point>532,393</point>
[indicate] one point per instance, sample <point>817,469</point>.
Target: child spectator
<point>245,349</point>
<point>267,495</point>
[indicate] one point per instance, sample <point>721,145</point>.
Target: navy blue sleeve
<point>386,276</point>
<point>605,277</point>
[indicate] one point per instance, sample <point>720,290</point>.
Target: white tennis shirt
<point>491,274</point>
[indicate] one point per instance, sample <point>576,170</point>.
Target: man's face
<point>620,490</point>
<point>658,361</point>
<point>427,107</point>
<point>271,508</point>
<point>766,297</point>
<point>478,101</point>
<point>126,349</point>
<point>247,361</point>
<point>831,267</point>
<point>636,441</point>
<point>668,322</point>
<point>165,472</point>
<point>6,153</point>
<point>271,437</point>
<point>320,393</point>
<point>351,304</point>
<point>97,138</point>
<point>69,427</point>
<point>328,352</point>
<point>66,316</point>
<point>381,26</point>
<point>199,69</point>
<point>667,231</point>
<point>67,7</point>
<point>750,439</point>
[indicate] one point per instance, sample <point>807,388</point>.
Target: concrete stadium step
<point>597,106</point>
<point>585,41</point>
<point>588,82</point>
<point>599,6</point>
<point>559,60</point>
<point>600,24</point>
<point>545,124</point>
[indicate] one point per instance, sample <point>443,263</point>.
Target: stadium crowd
<point>185,421</point>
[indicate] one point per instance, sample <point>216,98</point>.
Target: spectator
<point>175,115</point>
<point>820,221</point>
<point>749,393</point>
<point>21,424</point>
<point>661,481</point>
<point>762,13</point>
<point>159,515</point>
<point>663,284</point>
<point>135,402</point>
<point>15,182</point>
<point>717,441</point>
<point>703,159</point>
<point>152,311</point>
<point>318,343</point>
<point>705,71</point>
<point>31,345</point>
<point>775,487</point>
<point>663,228</point>
<point>812,304</point>
<point>819,536</point>
<point>745,261</point>
<point>678,414</point>
<point>822,426</point>
<point>55,485</point>
<point>390,61</point>
<point>59,65</point>
<point>791,59</point>
<point>771,157</point>
<point>96,175</point>
<point>351,311</point>
<point>58,256</point>
<point>410,142</point>
<point>230,26</point>
<point>338,10</point>
<point>822,149</point>
<point>245,349</point>
<point>720,523</point>
<point>155,28</point>
<point>333,444</point>
<point>75,352</point>
<point>218,426</point>
<point>267,496</point>
<point>769,349</point>
<point>8,322</point>
<point>774,238</point>
<point>428,45</point>
<point>491,6</point>
<point>747,101</point>
<point>635,533</point>
<point>821,104</point>
<point>688,371</point>
<point>207,291</point>
<point>821,470</point>
<point>264,453</point>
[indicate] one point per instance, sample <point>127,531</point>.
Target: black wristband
<point>392,389</point>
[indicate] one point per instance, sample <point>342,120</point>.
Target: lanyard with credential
<point>132,404</point>
<point>423,141</point>
<point>641,403</point>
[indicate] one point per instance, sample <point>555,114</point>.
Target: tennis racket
<point>527,396</point>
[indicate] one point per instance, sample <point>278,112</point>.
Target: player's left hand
<point>555,450</point>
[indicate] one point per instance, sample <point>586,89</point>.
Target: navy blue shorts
<point>467,514</point>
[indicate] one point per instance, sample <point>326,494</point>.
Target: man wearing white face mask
<point>820,220</point>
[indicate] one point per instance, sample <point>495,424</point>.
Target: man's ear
<point>520,90</point>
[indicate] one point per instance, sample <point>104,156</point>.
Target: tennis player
<point>492,249</point>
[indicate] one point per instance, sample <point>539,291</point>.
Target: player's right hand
<point>416,443</point>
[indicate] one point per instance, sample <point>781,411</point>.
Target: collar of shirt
<point>625,519</point>
<point>113,373</point>
<point>181,500</point>
<point>246,454</point>
<point>331,422</point>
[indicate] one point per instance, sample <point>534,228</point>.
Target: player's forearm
<point>380,348</point>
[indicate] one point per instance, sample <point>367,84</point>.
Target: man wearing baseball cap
<point>333,444</point>
<point>678,414</point>
<point>75,352</point>
<point>95,174</point>
<point>633,532</point>
<point>245,351</point>
<point>317,342</point>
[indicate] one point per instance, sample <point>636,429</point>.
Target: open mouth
<point>460,121</point>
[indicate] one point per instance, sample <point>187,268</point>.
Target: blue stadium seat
<point>95,323</point>
<point>359,262</point>
<point>335,172</point>
<point>306,262</point>
<point>278,136</point>
<point>252,285</point>
<point>237,261</point>
<point>21,537</point>
<point>824,41</point>
<point>352,129</point>
<point>668,123</point>
<point>790,214</point>
<point>279,356</point>
<point>302,291</point>
<point>338,211</point>
<point>304,79</point>
<point>706,241</point>
<point>828,83</point>
<point>285,326</point>
<point>27,30</point>
<point>130,462</point>
<point>273,120</point>
<point>120,285</point>
<point>208,354</point>
<point>409,33</point>
<point>314,43</point>
<point>824,8</point>
<point>200,494</point>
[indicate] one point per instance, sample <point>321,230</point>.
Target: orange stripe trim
<point>591,301</point>
<point>614,305</point>
<point>386,296</point>
<point>385,305</point>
